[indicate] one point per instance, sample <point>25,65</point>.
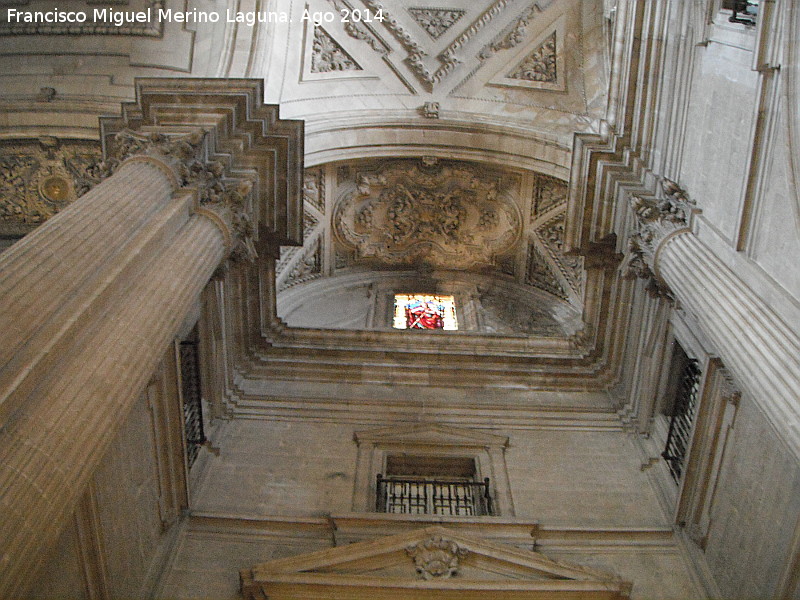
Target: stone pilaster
<point>93,298</point>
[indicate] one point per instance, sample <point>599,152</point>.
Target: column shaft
<point>757,347</point>
<point>46,277</point>
<point>48,454</point>
<point>91,300</point>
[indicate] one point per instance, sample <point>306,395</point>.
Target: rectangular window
<point>685,391</point>
<point>420,485</point>
<point>425,311</point>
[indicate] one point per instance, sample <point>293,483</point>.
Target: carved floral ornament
<point>657,219</point>
<point>436,557</point>
<point>328,56</point>
<point>539,65</point>
<point>443,215</point>
<point>40,178</point>
<point>436,21</point>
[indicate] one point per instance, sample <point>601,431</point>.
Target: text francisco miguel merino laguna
<point>121,17</point>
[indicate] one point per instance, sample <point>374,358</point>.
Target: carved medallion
<point>442,215</point>
<point>55,188</point>
<point>437,557</point>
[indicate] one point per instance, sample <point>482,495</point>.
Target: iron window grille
<point>192,404</point>
<point>682,421</point>
<point>428,496</point>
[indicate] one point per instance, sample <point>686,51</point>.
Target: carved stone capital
<point>636,265</point>
<point>197,129</point>
<point>228,205</point>
<point>177,155</point>
<point>658,218</point>
<point>224,200</point>
<point>437,557</point>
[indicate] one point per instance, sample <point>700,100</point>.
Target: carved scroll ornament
<point>40,178</point>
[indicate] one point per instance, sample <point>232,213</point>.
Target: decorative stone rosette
<point>437,558</point>
<point>434,214</point>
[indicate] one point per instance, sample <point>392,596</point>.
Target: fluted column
<point>756,346</point>
<point>48,455</point>
<point>90,302</point>
<point>752,341</point>
<point>47,277</point>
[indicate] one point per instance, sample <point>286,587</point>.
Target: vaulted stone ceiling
<point>487,83</point>
<point>433,223</point>
<point>434,214</point>
<point>487,91</point>
<point>536,68</point>
<point>504,81</point>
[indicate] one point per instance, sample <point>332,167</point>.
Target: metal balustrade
<point>426,496</point>
<point>744,11</point>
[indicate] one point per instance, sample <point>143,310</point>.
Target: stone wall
<point>302,469</point>
<point>273,487</point>
<point>755,512</point>
<point>736,165</point>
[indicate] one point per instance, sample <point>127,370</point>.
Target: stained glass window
<point>424,311</point>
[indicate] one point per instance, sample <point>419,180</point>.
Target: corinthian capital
<point>229,204</point>
<point>211,135</point>
<point>177,155</point>
<point>226,200</point>
<point>657,219</point>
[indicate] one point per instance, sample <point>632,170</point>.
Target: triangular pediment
<point>434,562</point>
<point>426,434</point>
